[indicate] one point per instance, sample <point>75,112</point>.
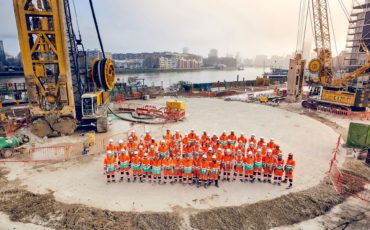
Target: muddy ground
<point>23,206</point>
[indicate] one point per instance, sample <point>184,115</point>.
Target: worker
<point>204,137</point>
<point>232,137</point>
<point>278,169</point>
<point>219,158</point>
<point>261,142</point>
<point>268,166</point>
<point>178,137</point>
<point>120,146</point>
<point>178,168</point>
<point>163,149</point>
<point>133,136</point>
<point>242,140</point>
<point>141,151</point>
<point>110,146</point>
<point>197,148</point>
<point>216,145</point>
<point>252,139</point>
<point>252,148</point>
<point>238,166</point>
<point>289,168</point>
<point>185,140</point>
<point>147,138</point>
<point>276,151</point>
<point>168,135</point>
<point>258,165</point>
<point>124,164</point>
<point>223,138</point>
<point>110,165</point>
<point>204,170</point>
<point>147,167</point>
<point>214,138</point>
<point>249,167</point>
<point>188,169</point>
<point>227,165</point>
<point>214,173</point>
<point>167,164</point>
<point>151,152</point>
<point>131,146</point>
<point>136,166</point>
<point>264,149</point>
<point>172,145</point>
<point>196,167</point>
<point>209,154</point>
<point>157,168</point>
<point>154,143</point>
<point>240,147</point>
<point>192,136</point>
<point>271,144</point>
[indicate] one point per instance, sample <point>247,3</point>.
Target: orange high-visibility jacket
<point>110,162</point>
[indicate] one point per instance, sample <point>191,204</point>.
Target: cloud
<point>250,27</point>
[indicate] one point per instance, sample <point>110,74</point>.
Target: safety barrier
<point>346,183</point>
<point>345,113</point>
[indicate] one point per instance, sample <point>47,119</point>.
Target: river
<point>168,78</point>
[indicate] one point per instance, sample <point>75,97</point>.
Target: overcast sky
<point>250,27</point>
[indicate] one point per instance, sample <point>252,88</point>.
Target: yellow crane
<point>61,91</point>
<point>326,90</point>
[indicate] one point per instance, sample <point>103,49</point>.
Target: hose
<point>136,121</point>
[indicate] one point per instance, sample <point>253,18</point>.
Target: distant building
<point>213,53</point>
<point>133,64</point>
<point>2,52</point>
<point>260,61</point>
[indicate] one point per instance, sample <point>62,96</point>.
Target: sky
<point>250,27</point>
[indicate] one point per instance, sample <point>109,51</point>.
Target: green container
<point>11,142</point>
<point>358,135</point>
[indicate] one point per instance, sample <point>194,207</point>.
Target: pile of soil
<point>357,168</point>
<point>284,210</point>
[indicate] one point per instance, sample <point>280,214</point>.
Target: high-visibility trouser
<point>258,167</point>
<point>268,169</point>
<point>177,172</point>
<point>227,167</point>
<point>214,173</point>
<point>289,172</point>
<point>110,169</point>
<point>196,172</point>
<point>136,169</point>
<point>238,168</point>
<point>203,173</point>
<point>124,166</point>
<point>156,170</point>
<point>248,169</point>
<point>147,170</point>
<point>167,171</point>
<point>188,172</point>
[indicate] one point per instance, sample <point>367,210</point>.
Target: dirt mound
<point>285,210</point>
<point>357,168</point>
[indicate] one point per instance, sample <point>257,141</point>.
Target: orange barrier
<point>345,113</point>
<point>345,183</point>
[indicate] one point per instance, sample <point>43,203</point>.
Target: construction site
<point>78,151</point>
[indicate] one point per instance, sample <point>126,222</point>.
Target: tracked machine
<point>63,93</point>
<point>325,88</point>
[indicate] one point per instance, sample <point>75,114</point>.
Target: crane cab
<point>94,103</point>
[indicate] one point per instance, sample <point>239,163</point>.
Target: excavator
<point>326,89</point>
<point>62,92</point>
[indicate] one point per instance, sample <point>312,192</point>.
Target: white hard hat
<point>219,149</point>
<point>111,140</point>
<point>120,141</point>
<point>109,152</point>
<point>177,131</point>
<point>264,144</point>
<point>136,152</point>
<point>239,151</point>
<point>259,150</point>
<point>145,154</point>
<point>152,146</point>
<point>130,138</point>
<point>209,149</point>
<point>192,130</point>
<point>123,150</point>
<point>253,135</point>
<point>140,147</point>
<point>250,153</point>
<point>204,131</point>
<point>269,150</point>
<point>228,150</point>
<point>232,131</point>
<point>213,156</point>
<point>241,134</point>
<point>214,134</point>
<point>204,156</point>
<point>262,138</point>
<point>147,132</point>
<point>224,131</point>
<point>272,139</point>
<point>132,131</point>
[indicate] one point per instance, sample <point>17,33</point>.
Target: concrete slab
<point>83,182</point>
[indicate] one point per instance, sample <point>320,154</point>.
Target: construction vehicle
<point>326,90</point>
<point>62,92</point>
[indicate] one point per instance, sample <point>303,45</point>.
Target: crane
<point>61,91</point>
<point>327,90</point>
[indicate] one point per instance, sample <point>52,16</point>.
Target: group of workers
<point>198,160</point>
